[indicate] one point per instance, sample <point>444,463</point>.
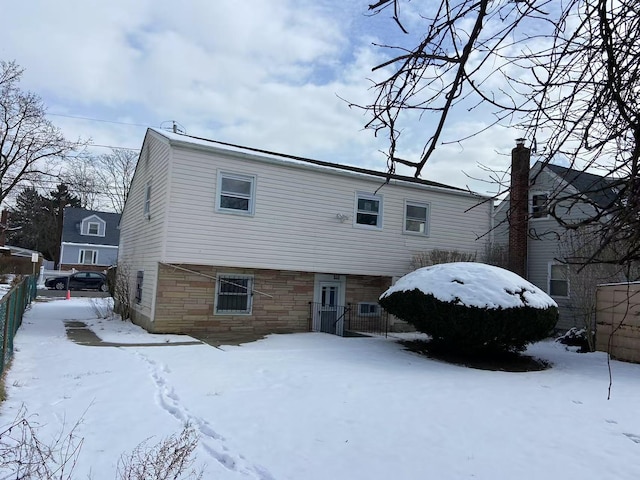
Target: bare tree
<point>80,175</point>
<point>29,143</point>
<point>114,172</point>
<point>574,249</point>
<point>566,74</point>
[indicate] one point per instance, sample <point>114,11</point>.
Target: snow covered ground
<point>317,406</point>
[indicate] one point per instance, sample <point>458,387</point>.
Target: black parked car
<point>79,281</point>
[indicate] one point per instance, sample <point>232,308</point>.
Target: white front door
<point>328,307</point>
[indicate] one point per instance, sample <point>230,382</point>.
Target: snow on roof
<point>297,160</point>
<point>474,285</point>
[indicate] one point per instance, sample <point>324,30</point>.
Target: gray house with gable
<point>571,195</point>
<point>90,239</point>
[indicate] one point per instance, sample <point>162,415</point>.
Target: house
<point>89,239</point>
<point>539,245</point>
<point>226,239</point>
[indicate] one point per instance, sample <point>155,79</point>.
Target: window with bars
<point>233,294</point>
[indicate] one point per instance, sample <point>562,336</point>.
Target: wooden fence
<point>618,320</point>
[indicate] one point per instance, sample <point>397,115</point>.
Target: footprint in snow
<point>169,401</point>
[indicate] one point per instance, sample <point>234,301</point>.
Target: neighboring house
<point>89,239</point>
<point>222,240</point>
<point>574,196</point>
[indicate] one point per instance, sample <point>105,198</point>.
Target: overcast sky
<point>263,73</point>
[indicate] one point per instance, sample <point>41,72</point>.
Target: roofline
<point>311,163</point>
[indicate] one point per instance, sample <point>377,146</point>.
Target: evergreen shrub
<point>471,329</point>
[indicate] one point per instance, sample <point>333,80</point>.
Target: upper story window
<point>539,205</point>
<point>93,226</point>
<point>416,218</point>
<point>236,193</point>
<point>559,280</point>
<point>147,200</point>
<point>369,210</point>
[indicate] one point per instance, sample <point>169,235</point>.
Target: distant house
<point>223,240</point>
<point>573,195</point>
<point>89,239</point>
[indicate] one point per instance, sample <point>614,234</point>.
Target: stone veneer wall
<point>361,288</point>
<point>185,302</point>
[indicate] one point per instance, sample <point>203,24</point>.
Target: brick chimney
<point>519,208</point>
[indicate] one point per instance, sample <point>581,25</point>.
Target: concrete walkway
<point>81,334</point>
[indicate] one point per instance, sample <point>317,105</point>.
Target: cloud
<point>264,74</point>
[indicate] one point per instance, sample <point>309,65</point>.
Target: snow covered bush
<point>472,307</point>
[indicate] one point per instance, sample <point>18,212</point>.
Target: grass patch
<point>495,361</point>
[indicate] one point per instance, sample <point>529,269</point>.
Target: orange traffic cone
<point>68,295</point>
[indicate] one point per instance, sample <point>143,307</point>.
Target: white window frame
<point>147,200</point>
<point>229,277</point>
<point>368,196</point>
<point>532,214</point>
<point>83,253</point>
<point>427,206</point>
<point>252,196</point>
<point>550,278</point>
<point>376,313</point>
<point>91,224</point>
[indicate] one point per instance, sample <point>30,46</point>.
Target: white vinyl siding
<point>88,257</point>
<point>236,193</point>
<point>295,224</point>
<point>142,242</point>
<point>416,218</point>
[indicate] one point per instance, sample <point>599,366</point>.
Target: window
<point>139,279</point>
<point>558,280</point>
<point>368,309</point>
<point>236,193</point>
<point>539,205</point>
<point>88,257</point>
<point>416,218</point>
<point>233,294</point>
<point>369,210</point>
<point>147,201</point>
<point>93,228</point>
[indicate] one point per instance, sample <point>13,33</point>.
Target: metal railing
<point>12,307</point>
<point>346,321</point>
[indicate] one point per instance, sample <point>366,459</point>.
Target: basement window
<point>233,294</point>
<point>368,309</point>
<point>139,280</point>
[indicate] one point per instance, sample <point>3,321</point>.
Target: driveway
<point>45,292</point>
